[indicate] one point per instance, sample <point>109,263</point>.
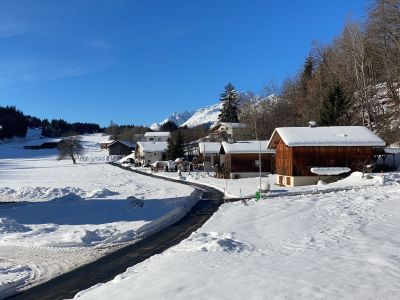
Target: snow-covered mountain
<point>207,115</point>
<point>177,118</point>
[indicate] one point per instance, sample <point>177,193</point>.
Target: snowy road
<point>109,266</point>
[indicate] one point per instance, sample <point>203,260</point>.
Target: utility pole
<point>259,155</point>
<point>204,158</point>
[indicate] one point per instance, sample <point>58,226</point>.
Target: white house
<point>149,152</point>
<point>209,154</point>
<point>227,128</point>
<point>158,136</point>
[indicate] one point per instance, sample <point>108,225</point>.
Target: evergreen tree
<point>176,146</point>
<point>333,107</point>
<point>171,149</point>
<point>169,126</point>
<point>229,110</point>
<point>179,145</point>
<point>13,122</point>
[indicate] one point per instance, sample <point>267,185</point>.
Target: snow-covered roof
<point>246,147</point>
<point>107,142</point>
<point>209,147</point>
<point>126,143</point>
<point>392,150</point>
<point>325,136</point>
<point>329,170</point>
<point>232,125</point>
<point>157,133</point>
<point>153,146</point>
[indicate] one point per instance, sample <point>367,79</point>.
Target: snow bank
<point>11,226</point>
<point>13,277</point>
<point>71,221</point>
<point>40,193</point>
<point>213,242</point>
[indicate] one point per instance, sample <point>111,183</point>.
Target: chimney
<point>312,124</point>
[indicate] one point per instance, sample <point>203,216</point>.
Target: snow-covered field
<point>65,215</point>
<point>336,245</point>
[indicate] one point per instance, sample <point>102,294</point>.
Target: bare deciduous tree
<point>69,148</point>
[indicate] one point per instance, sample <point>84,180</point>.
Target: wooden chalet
<point>241,159</point>
<point>208,154</point>
<point>120,148</point>
<point>303,155</point>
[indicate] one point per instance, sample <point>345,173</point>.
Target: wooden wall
<point>200,158</point>
<point>297,161</point>
<point>283,159</point>
<point>246,162</point>
<point>119,149</point>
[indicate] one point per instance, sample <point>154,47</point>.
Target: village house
<point>158,136</point>
<point>147,153</point>
<point>241,159</point>
<point>120,148</point>
<point>208,154</point>
<point>225,130</point>
<point>305,155</point>
<point>104,145</point>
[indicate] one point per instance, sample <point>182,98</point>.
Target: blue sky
<point>138,61</point>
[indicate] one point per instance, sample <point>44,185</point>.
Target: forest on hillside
<point>14,123</point>
<point>354,80</point>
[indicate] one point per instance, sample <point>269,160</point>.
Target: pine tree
<point>176,146</point>
<point>171,149</point>
<point>229,110</point>
<point>333,107</point>
<point>179,145</point>
<point>169,126</point>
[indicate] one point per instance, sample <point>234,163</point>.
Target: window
<point>159,139</point>
<point>155,153</point>
<point>151,139</point>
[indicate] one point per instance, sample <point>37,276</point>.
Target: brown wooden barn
<point>306,154</point>
<point>241,159</point>
<point>120,148</point>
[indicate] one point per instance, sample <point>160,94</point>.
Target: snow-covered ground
<point>336,245</point>
<point>247,187</point>
<point>65,215</point>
